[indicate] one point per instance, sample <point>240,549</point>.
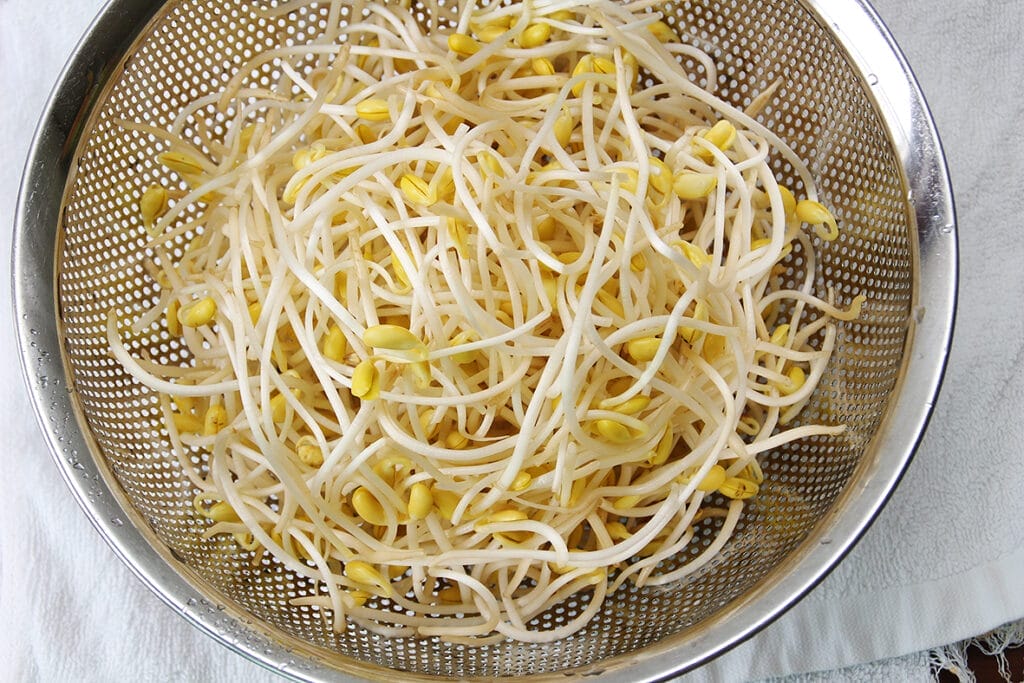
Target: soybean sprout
<point>480,317</point>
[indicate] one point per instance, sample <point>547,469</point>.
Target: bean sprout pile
<point>479,318</point>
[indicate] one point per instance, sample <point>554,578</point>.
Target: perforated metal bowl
<point>849,106</point>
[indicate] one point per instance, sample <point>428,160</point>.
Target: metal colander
<point>848,106</point>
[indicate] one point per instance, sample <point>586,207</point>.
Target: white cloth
<point>943,561</point>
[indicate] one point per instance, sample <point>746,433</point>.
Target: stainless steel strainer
<point>849,106</point>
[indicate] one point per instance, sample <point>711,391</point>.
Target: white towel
<point>943,561</point>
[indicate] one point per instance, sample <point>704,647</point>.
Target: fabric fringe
<point>953,658</point>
